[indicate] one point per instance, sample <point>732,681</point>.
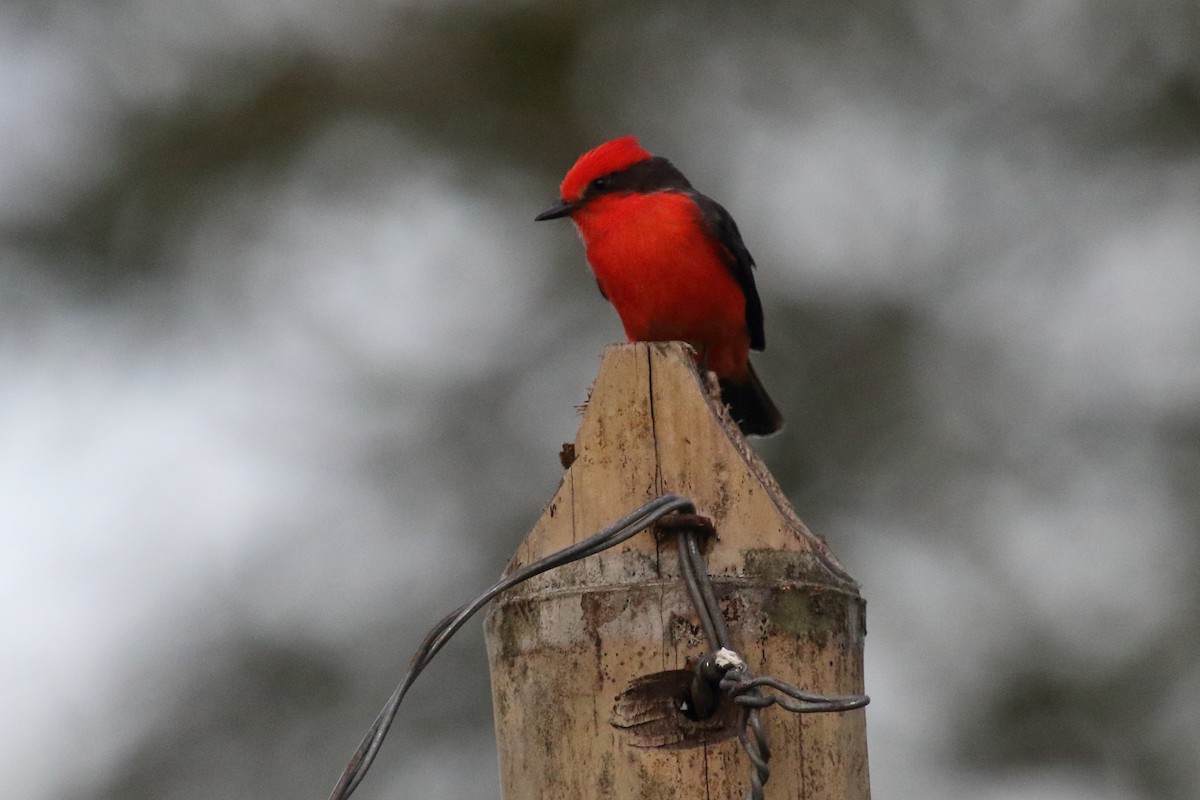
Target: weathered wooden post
<point>570,648</point>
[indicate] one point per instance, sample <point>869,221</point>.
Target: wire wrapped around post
<point>725,669</point>
<point>595,691</point>
<point>722,667</point>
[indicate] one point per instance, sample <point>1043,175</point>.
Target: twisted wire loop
<point>621,530</point>
<point>730,673</point>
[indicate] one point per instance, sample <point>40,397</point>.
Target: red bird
<point>671,261</point>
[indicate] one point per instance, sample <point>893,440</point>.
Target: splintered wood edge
<point>711,389</point>
<point>669,357</point>
<point>619,431</point>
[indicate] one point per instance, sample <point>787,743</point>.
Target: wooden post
<point>570,648</point>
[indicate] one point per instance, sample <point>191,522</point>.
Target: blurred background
<point>286,365</point>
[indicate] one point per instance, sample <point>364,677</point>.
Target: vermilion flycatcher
<point>671,261</point>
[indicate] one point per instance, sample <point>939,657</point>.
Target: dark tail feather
<point>749,405</point>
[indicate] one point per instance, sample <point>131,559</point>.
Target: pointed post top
<point>592,662</point>
<point>654,424</point>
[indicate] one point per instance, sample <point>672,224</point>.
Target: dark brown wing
<point>721,225</point>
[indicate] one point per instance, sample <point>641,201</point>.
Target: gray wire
<point>691,578</point>
<point>743,689</point>
<point>736,680</point>
<point>615,534</point>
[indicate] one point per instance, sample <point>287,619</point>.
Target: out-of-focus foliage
<point>286,365</point>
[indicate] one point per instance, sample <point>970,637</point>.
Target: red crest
<point>602,160</point>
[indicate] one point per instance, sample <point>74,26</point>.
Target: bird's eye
<point>600,184</point>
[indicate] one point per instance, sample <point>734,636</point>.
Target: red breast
<point>665,275</point>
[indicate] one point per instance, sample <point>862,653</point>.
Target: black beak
<point>557,210</point>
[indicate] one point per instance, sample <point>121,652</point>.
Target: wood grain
<point>566,648</point>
